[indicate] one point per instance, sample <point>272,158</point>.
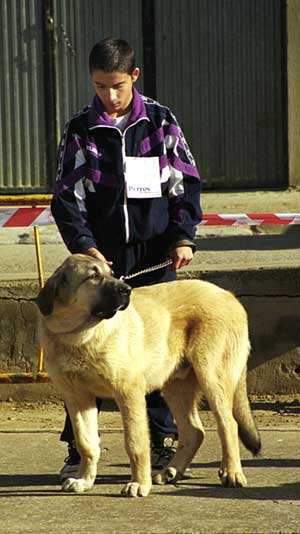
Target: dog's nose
<point>125,290</point>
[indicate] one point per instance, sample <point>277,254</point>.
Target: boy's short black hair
<point>112,55</point>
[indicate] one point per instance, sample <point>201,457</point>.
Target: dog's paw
<point>170,474</point>
<point>76,485</point>
<point>134,489</point>
<point>233,479</point>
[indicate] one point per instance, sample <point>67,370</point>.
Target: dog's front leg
<point>132,405</point>
<point>84,418</point>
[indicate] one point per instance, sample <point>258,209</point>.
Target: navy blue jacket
<point>90,205</point>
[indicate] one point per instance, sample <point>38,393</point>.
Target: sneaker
<point>162,455</point>
<point>72,463</point>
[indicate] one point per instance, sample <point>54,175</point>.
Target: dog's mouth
<point>98,311</point>
<point>103,315</point>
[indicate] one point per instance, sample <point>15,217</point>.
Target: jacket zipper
<point>125,208</point>
<point>123,147</point>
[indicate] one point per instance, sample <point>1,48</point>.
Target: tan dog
<point>186,338</point>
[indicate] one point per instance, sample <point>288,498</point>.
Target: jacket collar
<point>99,117</point>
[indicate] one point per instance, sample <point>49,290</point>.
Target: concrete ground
<point>31,500</point>
<point>31,455</point>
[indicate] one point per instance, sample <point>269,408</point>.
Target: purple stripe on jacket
<point>72,148</point>
<point>151,142</point>
<point>92,149</point>
<point>185,168</point>
<point>159,137</point>
<point>70,180</point>
<point>175,161</point>
<point>102,178</point>
<point>174,131</point>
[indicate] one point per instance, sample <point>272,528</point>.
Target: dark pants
<point>131,260</point>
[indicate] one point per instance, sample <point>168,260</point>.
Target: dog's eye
<point>95,275</point>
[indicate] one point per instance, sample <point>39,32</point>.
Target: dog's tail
<point>248,431</point>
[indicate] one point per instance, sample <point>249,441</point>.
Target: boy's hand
<point>96,254</point>
<point>181,256</point>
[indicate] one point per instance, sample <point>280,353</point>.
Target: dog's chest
<point>90,376</point>
<point>82,361</point>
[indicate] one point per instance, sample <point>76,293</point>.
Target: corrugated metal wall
<point>78,26</point>
<point>220,67</point>
<point>22,148</point>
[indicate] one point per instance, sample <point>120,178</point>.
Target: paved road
<point>31,500</point>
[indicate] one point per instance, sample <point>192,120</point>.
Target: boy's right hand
<point>94,253</point>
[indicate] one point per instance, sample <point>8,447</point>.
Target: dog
<point>187,338</point>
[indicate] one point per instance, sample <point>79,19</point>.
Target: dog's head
<point>80,293</point>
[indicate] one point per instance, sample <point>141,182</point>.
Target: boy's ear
<point>135,74</point>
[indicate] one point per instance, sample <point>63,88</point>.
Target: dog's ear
<point>47,294</point>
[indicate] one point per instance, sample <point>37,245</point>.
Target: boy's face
<point>115,90</point>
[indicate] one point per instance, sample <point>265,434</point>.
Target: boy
<point>127,193</point>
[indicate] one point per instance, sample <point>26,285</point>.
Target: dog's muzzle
<point>114,296</point>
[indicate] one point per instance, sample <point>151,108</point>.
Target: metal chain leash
<point>147,270</point>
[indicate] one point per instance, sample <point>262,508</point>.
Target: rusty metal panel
<point>79,25</point>
<point>221,68</point>
<point>22,148</point>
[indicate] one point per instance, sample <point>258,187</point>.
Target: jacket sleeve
<point>68,203</point>
<point>183,187</point>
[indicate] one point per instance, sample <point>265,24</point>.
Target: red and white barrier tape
<point>254,219</point>
<point>32,216</point>
<point>29,216</point>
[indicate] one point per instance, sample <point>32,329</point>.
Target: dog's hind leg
<point>132,405</point>
<point>84,417</point>
<point>220,400</point>
<point>182,396</point>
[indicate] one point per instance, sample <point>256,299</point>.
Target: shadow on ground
<point>18,485</point>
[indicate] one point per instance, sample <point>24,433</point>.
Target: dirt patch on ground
<point>270,412</point>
